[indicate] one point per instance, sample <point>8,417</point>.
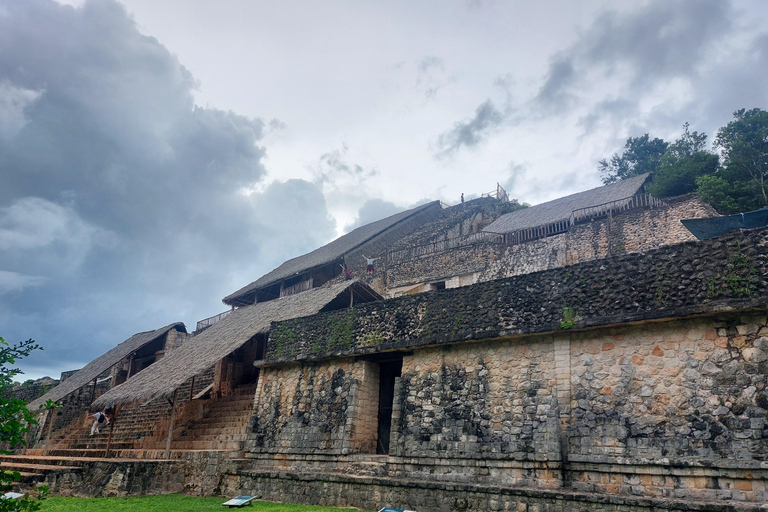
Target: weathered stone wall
<point>684,396</point>
<point>464,259</point>
<point>668,282</point>
<point>31,390</point>
<point>635,230</point>
<point>478,401</point>
<point>304,409</point>
<point>670,409</point>
<point>640,374</point>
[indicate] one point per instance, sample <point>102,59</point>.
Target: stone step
<point>34,467</point>
<point>207,445</point>
<point>217,427</point>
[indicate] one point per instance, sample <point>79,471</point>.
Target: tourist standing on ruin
<point>369,264</point>
<point>348,272</point>
<point>100,418</point>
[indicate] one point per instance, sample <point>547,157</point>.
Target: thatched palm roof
<point>228,334</point>
<point>102,364</point>
<point>560,210</point>
<point>329,252</point>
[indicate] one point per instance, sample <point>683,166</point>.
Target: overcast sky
<point>158,155</point>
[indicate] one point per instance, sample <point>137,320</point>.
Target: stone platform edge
<point>615,502</point>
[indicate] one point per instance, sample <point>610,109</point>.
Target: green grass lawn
<point>170,503</point>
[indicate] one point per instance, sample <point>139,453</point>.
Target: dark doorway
<point>388,372</point>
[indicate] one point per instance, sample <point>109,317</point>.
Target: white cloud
<point>13,103</point>
<point>13,281</point>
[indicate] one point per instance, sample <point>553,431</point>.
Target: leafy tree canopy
<point>641,154</point>
<point>743,144</point>
<point>684,160</point>
<point>14,421</point>
<point>734,181</point>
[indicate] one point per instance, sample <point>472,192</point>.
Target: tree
<point>14,421</point>
<point>743,144</point>
<point>682,163</point>
<point>641,155</point>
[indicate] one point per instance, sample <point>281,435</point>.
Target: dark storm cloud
<point>334,168</point>
<point>654,67</point>
<point>554,93</point>
<point>470,132</point>
<point>123,206</point>
<point>660,40</point>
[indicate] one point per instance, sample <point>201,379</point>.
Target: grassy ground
<point>169,503</point>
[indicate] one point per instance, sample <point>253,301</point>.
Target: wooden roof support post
<point>170,427</point>
<point>130,365</point>
<point>50,429</point>
<point>192,389</point>
<point>93,390</point>
<point>111,428</point>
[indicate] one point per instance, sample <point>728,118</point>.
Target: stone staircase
<point>223,427</point>
<point>140,432</point>
<point>136,430</point>
<point>33,470</point>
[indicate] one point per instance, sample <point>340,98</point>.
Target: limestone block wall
<point>307,408</point>
<point>478,401</point>
<point>636,230</point>
<point>686,397</point>
<point>686,391</point>
<point>672,281</point>
<point>458,260</point>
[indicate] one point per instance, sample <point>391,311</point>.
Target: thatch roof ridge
<point>560,209</point>
<point>228,334</point>
<point>328,252</point>
<point>102,363</point>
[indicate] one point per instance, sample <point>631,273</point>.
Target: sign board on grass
<point>240,501</point>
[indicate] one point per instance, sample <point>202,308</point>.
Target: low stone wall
<point>372,493</point>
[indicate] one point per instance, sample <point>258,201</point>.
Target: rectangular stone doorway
<point>388,372</point>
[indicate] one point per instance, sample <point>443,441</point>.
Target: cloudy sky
<point>157,155</point>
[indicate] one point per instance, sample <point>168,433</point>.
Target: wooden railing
<point>577,216</point>
<point>202,324</point>
<point>297,288</point>
<point>417,251</point>
<point>526,235</point>
<point>601,210</point>
<point>499,193</point>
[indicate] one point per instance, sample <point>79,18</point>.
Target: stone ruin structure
<point>601,359</point>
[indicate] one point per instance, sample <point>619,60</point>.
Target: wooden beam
<point>93,390</point>
<point>111,428</point>
<point>50,429</point>
<point>170,427</point>
<point>130,365</point>
<point>192,389</point>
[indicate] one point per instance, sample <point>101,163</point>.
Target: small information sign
<point>240,501</point>
<point>395,510</point>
